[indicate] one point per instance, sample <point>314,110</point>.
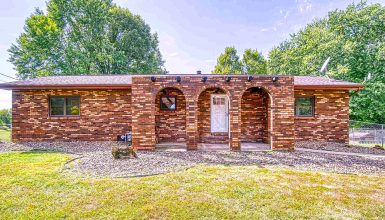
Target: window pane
<point>304,106</point>
<point>305,111</point>
<point>305,102</point>
<point>73,106</point>
<point>167,103</point>
<point>57,105</point>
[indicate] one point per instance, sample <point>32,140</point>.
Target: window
<point>64,106</point>
<point>304,106</point>
<point>168,103</point>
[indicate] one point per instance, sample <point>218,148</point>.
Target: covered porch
<point>212,113</point>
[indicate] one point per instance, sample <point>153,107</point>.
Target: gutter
<point>357,91</point>
<point>17,87</point>
<point>335,87</point>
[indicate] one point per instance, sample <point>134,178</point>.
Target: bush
<point>123,153</point>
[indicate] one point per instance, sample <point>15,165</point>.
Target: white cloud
<point>173,54</point>
<point>264,29</point>
<point>210,61</point>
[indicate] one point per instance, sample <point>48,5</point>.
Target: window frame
<point>64,106</point>
<point>167,96</point>
<point>296,108</point>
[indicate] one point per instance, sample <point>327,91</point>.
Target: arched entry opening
<point>213,119</point>
<point>170,119</point>
<point>256,119</point>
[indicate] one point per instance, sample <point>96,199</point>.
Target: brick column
<point>143,115</point>
<point>191,123</point>
<point>282,113</point>
<point>235,128</point>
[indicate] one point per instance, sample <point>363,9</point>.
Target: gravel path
<point>95,160</point>
<point>338,147</point>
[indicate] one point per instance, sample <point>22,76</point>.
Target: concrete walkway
<point>339,153</point>
<point>245,146</point>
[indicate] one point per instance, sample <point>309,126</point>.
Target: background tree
<point>5,116</point>
<point>253,62</point>
<point>354,39</point>
<point>228,62</point>
<point>85,37</point>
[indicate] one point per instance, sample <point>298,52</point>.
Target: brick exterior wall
<point>144,93</point>
<point>267,114</point>
<point>254,116</point>
<point>331,117</point>
<point>104,114</point>
<point>171,125</point>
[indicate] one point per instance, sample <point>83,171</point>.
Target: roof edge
<point>342,87</point>
<point>11,87</point>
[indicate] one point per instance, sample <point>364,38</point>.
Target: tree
<point>354,39</point>
<point>228,62</point>
<point>5,116</point>
<point>253,62</point>
<point>85,37</point>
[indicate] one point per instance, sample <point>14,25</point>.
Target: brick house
<point>184,109</point>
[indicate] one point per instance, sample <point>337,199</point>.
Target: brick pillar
<point>235,128</point>
<point>191,123</point>
<point>282,113</point>
<point>143,115</point>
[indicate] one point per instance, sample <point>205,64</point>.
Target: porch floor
<point>245,146</point>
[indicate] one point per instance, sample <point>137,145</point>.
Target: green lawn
<point>32,187</point>
<point>5,135</point>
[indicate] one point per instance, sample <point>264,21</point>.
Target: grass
<point>363,145</point>
<point>33,187</point>
<point>5,135</point>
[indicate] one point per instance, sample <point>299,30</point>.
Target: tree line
<point>354,39</point>
<point>85,37</point>
<point>78,37</point>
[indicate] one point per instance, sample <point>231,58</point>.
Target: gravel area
<point>75,147</point>
<point>338,147</point>
<point>95,159</point>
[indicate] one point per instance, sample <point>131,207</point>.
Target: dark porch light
<point>204,78</point>
<point>178,78</point>
<point>153,78</point>
<point>249,78</point>
<point>275,78</point>
<point>228,78</point>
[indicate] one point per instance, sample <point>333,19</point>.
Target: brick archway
<point>206,137</point>
<point>256,116</point>
<point>170,124</point>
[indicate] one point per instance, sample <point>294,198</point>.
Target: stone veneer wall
<point>171,125</point>
<point>144,93</point>
<point>254,116</point>
<point>331,118</point>
<point>104,114</point>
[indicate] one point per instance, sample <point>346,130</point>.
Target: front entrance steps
<point>245,146</point>
<point>171,146</point>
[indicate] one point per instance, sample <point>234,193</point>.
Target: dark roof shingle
<point>319,81</point>
<point>122,81</point>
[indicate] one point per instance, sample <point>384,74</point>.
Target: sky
<point>192,34</point>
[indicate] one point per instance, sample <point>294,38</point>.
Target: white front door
<point>219,113</point>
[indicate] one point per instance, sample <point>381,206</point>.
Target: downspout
<point>355,92</point>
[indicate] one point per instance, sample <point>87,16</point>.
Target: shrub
<point>123,152</point>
